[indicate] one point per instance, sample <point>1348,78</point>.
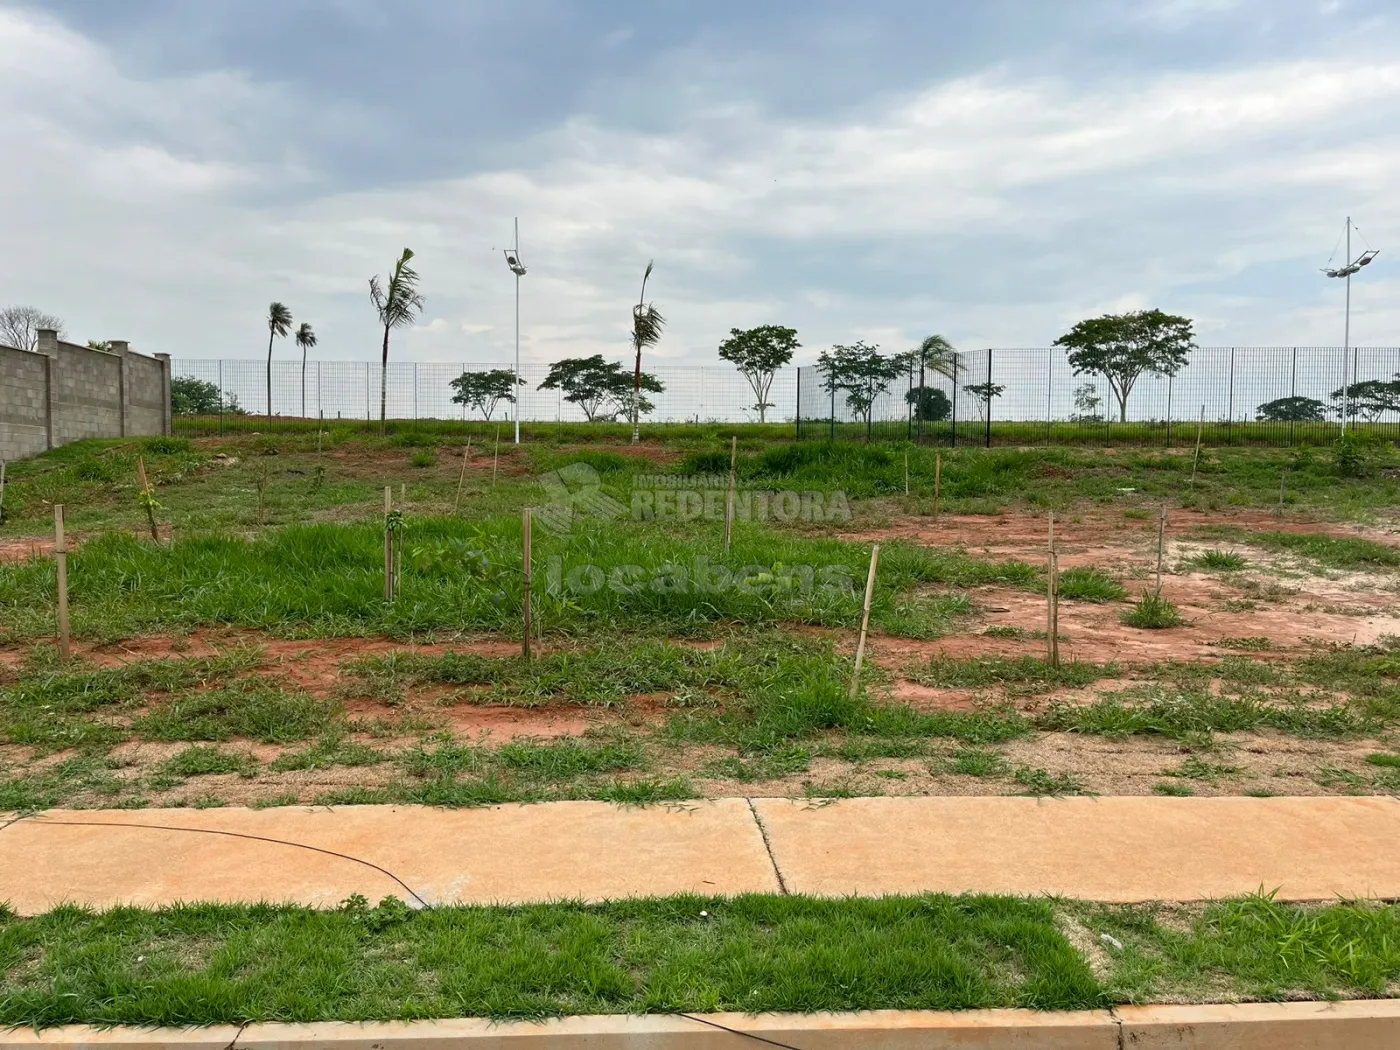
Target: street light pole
<point>1346,335</point>
<point>518,268</point>
<point>1345,271</point>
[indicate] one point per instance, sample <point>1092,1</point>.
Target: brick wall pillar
<point>48,346</point>
<point>164,360</point>
<point>119,347</point>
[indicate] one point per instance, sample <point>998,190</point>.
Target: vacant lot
<point>249,656</point>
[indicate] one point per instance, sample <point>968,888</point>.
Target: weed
<point>198,761</point>
<point>1170,788</point>
<point>1253,643</point>
<point>1038,781</point>
<point>1220,560</point>
<point>1195,768</point>
<point>1383,759</point>
<point>1087,584</point>
<point>423,458</point>
<point>251,710</point>
<point>1027,673</point>
<point>976,762</point>
<point>1153,612</point>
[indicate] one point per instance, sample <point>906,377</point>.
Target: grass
<point>1153,612</point>
<point>202,964</point>
<point>211,964</point>
<point>1220,561</point>
<point>1024,674</point>
<point>1088,584</point>
<point>327,579</point>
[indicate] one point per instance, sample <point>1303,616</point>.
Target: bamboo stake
<point>526,562</point>
<point>1283,476</point>
<point>388,545</point>
<point>466,455</point>
<point>262,496</point>
<point>906,473</point>
<point>937,481</point>
<point>496,456</point>
<point>865,618</point>
<point>729,500</point>
<point>60,554</point>
<point>1161,544</point>
<point>1200,430</point>
<point>2,490</point>
<point>146,497</point>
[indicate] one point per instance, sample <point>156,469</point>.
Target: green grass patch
<point>1026,673</point>
<point>1335,552</point>
<point>1088,584</point>
<point>1153,612</point>
<point>227,964</point>
<point>198,761</point>
<point>1220,560</point>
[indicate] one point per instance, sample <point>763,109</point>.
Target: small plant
<point>977,762</point>
<point>1038,781</point>
<point>1349,456</point>
<point>1194,768</point>
<point>424,457</point>
<point>1224,561</point>
<point>1249,643</point>
<point>1087,584</point>
<point>1004,632</point>
<point>1380,758</point>
<point>1172,788</point>
<point>1153,612</point>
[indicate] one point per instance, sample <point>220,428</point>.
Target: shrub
<point>1153,612</point>
<point>424,457</point>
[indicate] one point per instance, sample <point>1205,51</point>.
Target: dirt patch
<point>26,549</point>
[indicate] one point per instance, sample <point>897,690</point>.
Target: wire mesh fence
<point>237,394</point>
<point>1275,396</point>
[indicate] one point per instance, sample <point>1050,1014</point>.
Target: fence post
<point>1293,392</point>
<point>988,398</point>
<point>221,398</point>
<point>953,437</point>
<point>909,405</point>
<point>833,413</point>
<point>1049,390</point>
<point>798,414</point>
<point>1230,404</point>
<point>1169,411</point>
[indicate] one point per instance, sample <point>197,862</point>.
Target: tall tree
<point>306,339</point>
<point>1121,347</point>
<point>398,304</point>
<point>482,390</point>
<point>758,353</point>
<point>935,354</point>
<point>601,388</point>
<point>19,326</point>
<point>862,373</point>
<point>647,323</point>
<point>279,323</point>
<point>1370,398</point>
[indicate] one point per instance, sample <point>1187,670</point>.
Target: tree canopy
<point>397,304</point>
<point>484,390</point>
<point>1291,410</point>
<point>19,326</point>
<point>758,353</point>
<point>600,388</point>
<point>931,405</point>
<point>198,397</point>
<point>1122,347</point>
<point>1370,398</point>
<point>861,372</point>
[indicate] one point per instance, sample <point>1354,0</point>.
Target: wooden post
<point>1161,544</point>
<point>1283,476</point>
<point>60,554</point>
<point>2,490</point>
<point>146,497</point>
<point>729,500</point>
<point>906,473</point>
<point>388,545</point>
<point>466,455</point>
<point>496,456</point>
<point>262,496</point>
<point>865,618</point>
<point>1052,600</point>
<point>1200,429</point>
<point>937,481</point>
<point>526,563</point>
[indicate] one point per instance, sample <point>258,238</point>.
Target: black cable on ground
<point>235,835</point>
<point>738,1031</point>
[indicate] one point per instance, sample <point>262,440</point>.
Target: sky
<point>881,171</point>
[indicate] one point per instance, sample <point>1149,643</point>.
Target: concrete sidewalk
<point>1108,849</point>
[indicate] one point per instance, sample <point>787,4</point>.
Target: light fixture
<point>518,268</point>
<point>1352,267</point>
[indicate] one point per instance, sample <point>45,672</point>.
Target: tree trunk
<point>637,399</point>
<point>383,381</point>
<point>270,336</point>
<point>303,382</point>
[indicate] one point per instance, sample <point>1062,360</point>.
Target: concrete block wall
<point>66,392</point>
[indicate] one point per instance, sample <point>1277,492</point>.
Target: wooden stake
<point>937,480</point>
<point>146,497</point>
<point>388,545</point>
<point>2,490</point>
<point>1052,600</point>
<point>262,496</point>
<point>1200,429</point>
<point>1283,476</point>
<point>60,554</point>
<point>526,561</point>
<point>1161,544</point>
<point>496,456</point>
<point>906,473</point>
<point>865,618</point>
<point>466,455</point>
<point>729,500</point>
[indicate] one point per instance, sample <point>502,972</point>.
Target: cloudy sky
<point>881,170</point>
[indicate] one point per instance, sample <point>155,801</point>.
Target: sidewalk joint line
<point>768,845</point>
<point>738,1031</point>
<point>242,1027</point>
<point>231,834</point>
<point>1117,1023</point>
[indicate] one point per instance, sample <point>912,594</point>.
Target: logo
<point>575,489</point>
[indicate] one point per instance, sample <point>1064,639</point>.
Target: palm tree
<point>279,322</point>
<point>306,339</point>
<point>937,355</point>
<point>647,323</point>
<point>398,304</point>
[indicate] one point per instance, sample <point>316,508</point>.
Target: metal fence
<point>422,390</point>
<point>1230,395</point>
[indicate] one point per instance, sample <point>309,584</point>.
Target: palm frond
<point>279,319</point>
<point>399,302</point>
<point>647,324</point>
<point>305,337</point>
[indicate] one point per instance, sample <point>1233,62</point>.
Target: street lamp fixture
<point>1345,273</point>
<point>518,268</point>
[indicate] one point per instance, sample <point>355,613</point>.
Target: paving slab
<point>1119,849</point>
<point>511,853</point>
